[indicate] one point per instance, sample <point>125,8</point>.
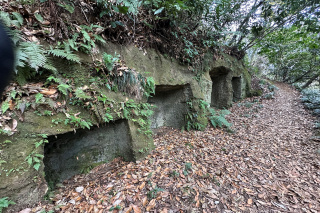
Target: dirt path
<point>282,165</point>
<point>267,165</point>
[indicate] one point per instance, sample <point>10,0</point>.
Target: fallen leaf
<point>14,124</point>
<point>128,210</point>
<point>151,205</point>
<point>11,105</point>
<point>48,91</point>
<point>144,201</point>
<point>136,209</point>
<point>142,185</point>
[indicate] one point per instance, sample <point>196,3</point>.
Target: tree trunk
<point>310,81</point>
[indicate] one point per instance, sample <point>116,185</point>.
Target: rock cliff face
<point>70,151</point>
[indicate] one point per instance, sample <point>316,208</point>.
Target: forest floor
<point>267,164</point>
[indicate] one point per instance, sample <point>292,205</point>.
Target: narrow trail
<point>268,164</point>
<point>282,164</point>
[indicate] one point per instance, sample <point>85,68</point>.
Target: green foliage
<point>311,100</point>
<point>68,7</point>
<point>217,119</point>
<point>56,121</point>
<point>130,7</point>
<point>4,203</point>
<point>115,208</point>
<point>269,95</point>
<point>34,159</point>
<point>5,106</point>
<point>138,113</point>
<point>293,53</point>
<point>110,60</point>
<point>149,87</point>
<point>135,84</point>
<point>152,194</point>
<point>64,88</point>
<point>174,174</point>
<point>107,117</point>
<point>39,97</point>
<point>64,53</point>
<point>187,168</point>
<point>77,122</point>
<point>79,93</point>
<point>197,108</point>
<point>32,55</point>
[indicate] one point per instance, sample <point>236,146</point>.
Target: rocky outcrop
<point>47,150</point>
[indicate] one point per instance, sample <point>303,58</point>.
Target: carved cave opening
<point>171,105</point>
<point>236,86</point>
<point>73,153</point>
<point>220,89</point>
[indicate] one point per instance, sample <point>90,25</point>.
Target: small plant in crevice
<point>200,108</point>
<point>139,113</point>
<point>4,203</point>
<point>77,121</point>
<point>34,159</point>
<point>110,60</point>
<point>197,108</point>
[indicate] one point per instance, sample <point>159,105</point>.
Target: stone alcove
<point>221,96</point>
<point>77,152</point>
<point>171,105</point>
<point>237,88</point>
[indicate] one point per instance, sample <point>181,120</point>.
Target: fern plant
<point>217,119</point>
<point>4,203</point>
<point>28,54</point>
<point>66,54</point>
<point>33,55</point>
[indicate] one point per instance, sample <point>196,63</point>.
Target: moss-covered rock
<point>24,184</point>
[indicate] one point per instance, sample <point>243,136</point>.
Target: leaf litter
<point>267,164</point>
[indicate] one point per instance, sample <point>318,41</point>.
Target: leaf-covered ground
<point>268,164</point>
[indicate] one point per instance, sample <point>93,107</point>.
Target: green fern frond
<point>18,19</point>
<point>99,38</point>
<point>218,119</point>
<point>86,36</point>
<point>224,112</point>
<point>35,54</point>
<point>20,60</point>
<point>5,17</point>
<point>49,66</point>
<point>63,54</point>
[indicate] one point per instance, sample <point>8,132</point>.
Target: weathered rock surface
<point>225,80</point>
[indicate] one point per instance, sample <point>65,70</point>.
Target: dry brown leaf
<point>136,209</point>
<point>48,91</point>
<point>14,124</point>
<point>142,185</point>
<point>128,210</point>
<point>165,210</point>
<point>144,201</point>
<point>151,205</point>
<point>11,105</point>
